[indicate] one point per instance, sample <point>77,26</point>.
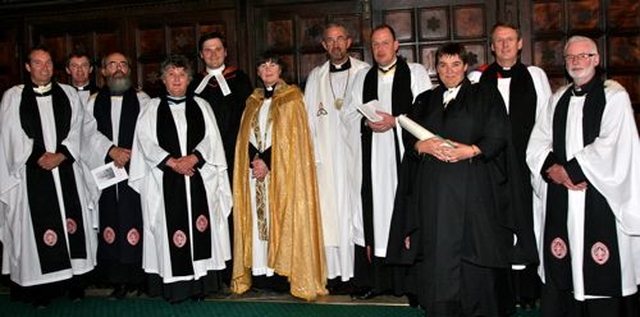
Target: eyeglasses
<point>331,40</point>
<point>114,65</point>
<point>580,57</point>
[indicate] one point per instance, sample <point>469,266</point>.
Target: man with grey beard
<point>110,122</point>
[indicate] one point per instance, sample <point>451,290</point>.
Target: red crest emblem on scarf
<point>50,237</point>
<point>600,253</point>
<point>179,239</point>
<point>558,248</point>
<point>202,223</point>
<point>108,235</point>
<point>71,226</point>
<point>133,236</point>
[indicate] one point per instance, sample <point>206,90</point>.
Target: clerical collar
<point>175,100</point>
<point>268,91</point>
<point>214,71</point>
<point>42,90</point>
<point>387,69</point>
<point>116,93</point>
<point>584,89</point>
<point>504,72</point>
<point>450,94</point>
<point>342,67</point>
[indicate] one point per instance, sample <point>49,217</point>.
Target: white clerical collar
<point>215,71</point>
<point>450,94</point>
<point>387,68</point>
<point>82,87</point>
<point>43,89</point>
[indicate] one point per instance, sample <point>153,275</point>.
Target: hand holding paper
<point>420,132</point>
<point>369,110</point>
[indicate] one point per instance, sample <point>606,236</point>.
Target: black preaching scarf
<point>401,100</point>
<point>43,201</point>
<point>173,184</point>
<point>522,106</point>
<point>121,201</point>
<point>601,277</point>
<point>522,103</point>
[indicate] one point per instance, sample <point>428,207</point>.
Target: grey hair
<point>580,38</point>
<point>178,61</point>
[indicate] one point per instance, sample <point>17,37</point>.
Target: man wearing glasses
<point>109,128</point>
<point>584,154</point>
<point>326,89</point>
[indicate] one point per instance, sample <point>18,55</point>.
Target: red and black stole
<point>179,224</point>
<point>120,210</point>
<point>48,228</point>
<point>602,276</point>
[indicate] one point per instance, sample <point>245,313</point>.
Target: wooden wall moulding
<point>469,22</point>
<point>280,35</point>
<point>295,31</point>
<point>434,24</point>
<point>624,53</point>
<point>309,33</point>
<point>403,24</point>
<point>548,18</point>
<point>623,15</point>
<point>423,27</point>
<point>585,15</point>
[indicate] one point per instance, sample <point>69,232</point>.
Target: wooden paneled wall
<point>148,30</point>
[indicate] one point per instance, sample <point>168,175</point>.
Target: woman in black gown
<point>452,224</point>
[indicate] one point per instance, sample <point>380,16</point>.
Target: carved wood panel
<point>613,24</point>
<point>9,57</point>
<point>423,26</point>
<point>96,38</point>
<point>294,32</point>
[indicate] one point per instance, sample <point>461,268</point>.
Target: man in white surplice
<point>394,83</point>
<point>325,92</point>
<point>46,220</point>
<point>584,155</point>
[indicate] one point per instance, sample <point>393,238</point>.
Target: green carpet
<point>100,306</point>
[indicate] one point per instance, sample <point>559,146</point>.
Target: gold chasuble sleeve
<point>295,234</point>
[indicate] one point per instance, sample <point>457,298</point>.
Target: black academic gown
<point>228,109</point>
<point>457,215</point>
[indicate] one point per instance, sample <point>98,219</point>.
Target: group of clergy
<point>326,191</point>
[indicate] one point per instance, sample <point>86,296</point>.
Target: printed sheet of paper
<point>369,110</point>
<point>108,175</point>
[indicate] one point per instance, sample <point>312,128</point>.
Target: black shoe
<point>119,292</point>
<point>366,293</point>
<point>41,303</point>
<point>76,295</point>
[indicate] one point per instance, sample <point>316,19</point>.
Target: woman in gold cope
<point>277,228</point>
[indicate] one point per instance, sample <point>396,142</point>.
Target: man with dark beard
<point>109,128</point>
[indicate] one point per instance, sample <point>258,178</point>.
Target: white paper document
<point>108,175</point>
<point>369,110</point>
<point>420,132</point>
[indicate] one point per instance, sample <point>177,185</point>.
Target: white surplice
<point>338,192</point>
<point>22,261</point>
<point>384,176</point>
<point>611,164</point>
<point>146,178</point>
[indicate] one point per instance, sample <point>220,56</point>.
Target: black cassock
<point>461,217</point>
